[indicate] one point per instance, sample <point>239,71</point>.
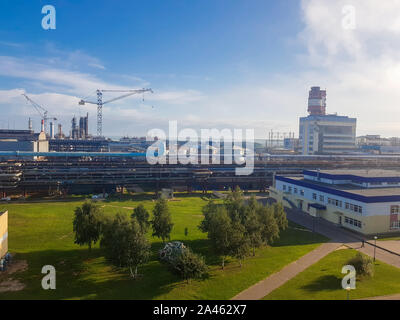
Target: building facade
<point>327,134</point>
<point>364,201</point>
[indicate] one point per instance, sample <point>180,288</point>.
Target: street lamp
<point>375,247</point>
<point>348,292</point>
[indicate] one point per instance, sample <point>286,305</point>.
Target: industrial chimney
<point>52,130</point>
<point>317,101</point>
<point>42,130</point>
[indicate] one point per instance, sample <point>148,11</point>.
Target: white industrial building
<point>366,201</point>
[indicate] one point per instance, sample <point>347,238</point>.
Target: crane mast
<point>100,103</point>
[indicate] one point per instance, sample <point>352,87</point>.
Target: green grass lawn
<point>323,281</point>
<point>41,234</point>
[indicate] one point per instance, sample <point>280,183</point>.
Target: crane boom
<point>42,111</point>
<point>100,103</point>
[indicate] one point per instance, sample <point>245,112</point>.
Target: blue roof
<point>351,177</point>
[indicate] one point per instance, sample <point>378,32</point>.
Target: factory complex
<point>302,172</point>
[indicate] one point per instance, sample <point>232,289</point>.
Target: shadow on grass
<point>81,274</point>
<point>323,283</point>
<point>298,235</point>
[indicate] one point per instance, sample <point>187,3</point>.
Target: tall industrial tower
<point>317,101</point>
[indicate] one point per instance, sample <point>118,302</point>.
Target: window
<point>353,222</point>
<point>353,207</point>
<point>284,187</point>
<point>295,190</point>
<point>394,209</point>
<point>321,198</point>
<point>395,225</point>
<point>290,189</point>
<point>302,192</point>
<point>314,196</point>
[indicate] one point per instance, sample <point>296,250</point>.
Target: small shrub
<point>363,264</point>
<point>190,265</point>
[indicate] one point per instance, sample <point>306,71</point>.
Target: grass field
<point>41,234</point>
<point>322,281</point>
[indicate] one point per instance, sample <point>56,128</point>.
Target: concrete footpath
<point>264,287</point>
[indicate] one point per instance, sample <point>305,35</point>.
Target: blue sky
<point>211,63</point>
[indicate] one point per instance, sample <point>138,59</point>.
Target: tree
<point>87,224</point>
<point>138,248</point>
<point>234,204</point>
<point>280,216</point>
<point>219,231</point>
<point>113,239</point>
<point>142,216</point>
<point>239,246</point>
<point>162,222</point>
<point>125,244</point>
<point>269,227</point>
<point>252,225</point>
<point>208,210</point>
<point>190,265</point>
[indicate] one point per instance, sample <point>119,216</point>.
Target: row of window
<point>394,209</point>
<point>295,190</point>
<point>353,222</point>
<point>395,225</point>
<point>334,202</point>
<point>353,207</point>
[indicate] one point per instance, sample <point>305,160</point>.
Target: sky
<point>211,63</point>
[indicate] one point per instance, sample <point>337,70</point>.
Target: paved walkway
<point>338,236</point>
<point>264,287</point>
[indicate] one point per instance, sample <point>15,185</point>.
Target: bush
<point>363,264</point>
<point>189,265</point>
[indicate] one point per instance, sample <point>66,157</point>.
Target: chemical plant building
<point>366,201</point>
<point>321,133</point>
<point>23,140</point>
